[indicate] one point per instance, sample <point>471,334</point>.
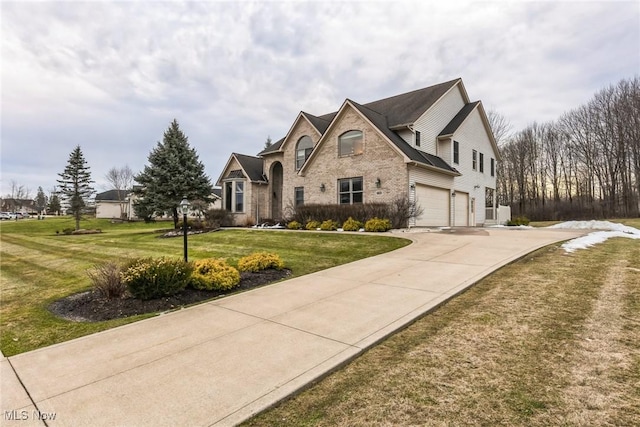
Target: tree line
<point>584,165</point>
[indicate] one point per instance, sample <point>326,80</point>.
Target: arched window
<point>350,143</point>
<point>303,151</point>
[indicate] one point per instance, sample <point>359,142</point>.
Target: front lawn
<point>39,266</point>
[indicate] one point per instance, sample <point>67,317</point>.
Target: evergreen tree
<point>268,142</point>
<point>75,183</point>
<point>41,201</point>
<point>54,204</point>
<point>174,171</point>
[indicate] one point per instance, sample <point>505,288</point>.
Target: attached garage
<point>461,209</point>
<point>435,205</point>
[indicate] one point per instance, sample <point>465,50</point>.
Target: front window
<point>417,138</point>
<point>350,191</point>
<point>474,160</point>
<point>456,152</point>
<point>351,143</point>
<point>481,162</point>
<point>228,195</point>
<point>493,167</point>
<point>239,196</point>
<point>299,196</point>
<point>303,151</point>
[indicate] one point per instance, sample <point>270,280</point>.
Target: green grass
<point>39,266</point>
<point>552,339</point>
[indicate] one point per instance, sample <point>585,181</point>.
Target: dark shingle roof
<point>387,113</point>
<point>112,195</point>
<point>455,123</point>
<point>380,122</point>
<point>406,108</point>
<point>252,166</point>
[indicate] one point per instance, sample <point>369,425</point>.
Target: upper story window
<point>482,162</point>
<point>417,138</point>
<point>456,152</point>
<point>303,151</point>
<point>474,160</point>
<point>350,143</point>
<point>493,167</point>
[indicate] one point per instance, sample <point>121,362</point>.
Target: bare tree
<point>500,126</point>
<point>121,180</point>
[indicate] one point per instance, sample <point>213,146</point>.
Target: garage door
<point>435,205</point>
<point>462,209</point>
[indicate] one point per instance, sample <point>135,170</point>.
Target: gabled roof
<point>457,121</point>
<point>112,195</point>
<point>406,108</point>
<point>250,167</point>
<point>272,148</point>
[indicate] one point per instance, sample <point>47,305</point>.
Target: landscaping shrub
<point>192,224</point>
<point>312,225</point>
<point>106,280</point>
<point>214,274</point>
<point>260,261</point>
<point>294,225</point>
<point>351,225</point>
<point>329,225</point>
<point>216,218</point>
<point>148,278</point>
<point>519,220</point>
<point>377,225</point>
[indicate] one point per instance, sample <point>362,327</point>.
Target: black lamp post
<point>184,206</point>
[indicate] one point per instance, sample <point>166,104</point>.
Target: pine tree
<point>75,183</point>
<point>174,171</point>
<point>54,204</point>
<point>268,143</point>
<point>41,201</point>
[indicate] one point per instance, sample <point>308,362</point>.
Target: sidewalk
<point>220,362</point>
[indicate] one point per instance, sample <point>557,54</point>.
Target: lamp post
<point>184,206</point>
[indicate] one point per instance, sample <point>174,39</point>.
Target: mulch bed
<point>89,306</point>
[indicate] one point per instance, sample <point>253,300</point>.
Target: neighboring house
<point>110,205</point>
<point>432,145</point>
<point>18,205</point>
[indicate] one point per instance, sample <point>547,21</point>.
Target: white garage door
<point>462,209</point>
<point>435,205</point>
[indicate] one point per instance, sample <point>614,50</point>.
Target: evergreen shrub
<point>351,225</point>
<point>329,225</point>
<point>294,225</point>
<point>377,225</point>
<point>214,274</point>
<point>260,261</point>
<point>148,278</point>
<point>312,225</point>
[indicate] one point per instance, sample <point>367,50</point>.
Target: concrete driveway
<point>220,362</point>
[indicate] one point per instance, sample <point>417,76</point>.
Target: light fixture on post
<point>378,183</point>
<point>322,187</point>
<point>184,206</point>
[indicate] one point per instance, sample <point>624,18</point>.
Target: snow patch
<point>606,230</point>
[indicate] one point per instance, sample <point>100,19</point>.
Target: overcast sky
<point>111,76</point>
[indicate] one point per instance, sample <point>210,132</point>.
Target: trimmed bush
<point>260,261</point>
<point>519,220</point>
<point>214,274</point>
<point>148,278</point>
<point>216,218</point>
<point>312,225</point>
<point>294,225</point>
<point>351,225</point>
<point>329,225</point>
<point>106,280</point>
<point>377,225</point>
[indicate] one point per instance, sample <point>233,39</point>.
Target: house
<point>109,205</point>
<point>432,145</point>
<point>25,206</point>
<point>114,204</point>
